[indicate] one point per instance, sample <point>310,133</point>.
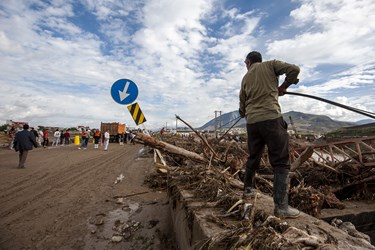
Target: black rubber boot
<point>280,195</point>
<point>249,182</point>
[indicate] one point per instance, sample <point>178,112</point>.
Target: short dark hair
<point>254,56</point>
<point>26,126</point>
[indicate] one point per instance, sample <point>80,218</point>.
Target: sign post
<point>125,91</point>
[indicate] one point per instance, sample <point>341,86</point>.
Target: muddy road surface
<point>67,198</point>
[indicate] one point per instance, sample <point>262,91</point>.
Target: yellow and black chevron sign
<point>136,113</point>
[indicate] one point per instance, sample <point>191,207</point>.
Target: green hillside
<point>353,131</point>
<point>304,123</point>
<point>316,124</point>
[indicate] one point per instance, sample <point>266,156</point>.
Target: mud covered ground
<point>67,198</point>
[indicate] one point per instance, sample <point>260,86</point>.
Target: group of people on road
<point>85,137</point>
<point>25,140</point>
<point>62,138</point>
<point>42,137</point>
<point>104,139</point>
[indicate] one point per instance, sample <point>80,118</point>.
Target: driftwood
<point>218,185</point>
<point>235,182</point>
<point>163,146</point>
<point>323,165</point>
<point>361,181</point>
<point>306,154</point>
<point>204,140</point>
<point>166,147</point>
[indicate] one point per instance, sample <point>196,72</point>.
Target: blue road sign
<point>124,91</point>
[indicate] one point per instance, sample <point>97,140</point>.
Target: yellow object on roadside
<point>76,140</point>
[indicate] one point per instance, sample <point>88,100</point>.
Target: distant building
<point>16,125</point>
<point>80,127</point>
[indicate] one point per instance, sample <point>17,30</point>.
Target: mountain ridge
<point>303,122</point>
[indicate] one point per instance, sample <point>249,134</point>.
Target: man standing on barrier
<point>265,125</point>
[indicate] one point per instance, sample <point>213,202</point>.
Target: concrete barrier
<point>190,228</point>
<point>193,229</point>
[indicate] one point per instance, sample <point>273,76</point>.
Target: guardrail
<point>360,151</point>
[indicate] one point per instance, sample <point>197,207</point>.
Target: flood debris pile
<point>315,185</point>
<point>212,170</point>
<point>269,232</point>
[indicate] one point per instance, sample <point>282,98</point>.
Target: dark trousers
<point>22,158</point>
<point>45,142</point>
<point>96,138</point>
<point>272,133</point>
<point>84,142</point>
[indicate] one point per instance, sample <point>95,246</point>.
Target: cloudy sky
<point>60,58</point>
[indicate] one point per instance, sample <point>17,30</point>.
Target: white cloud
<point>106,10</point>
<point>339,31</point>
<point>56,71</point>
<point>332,32</point>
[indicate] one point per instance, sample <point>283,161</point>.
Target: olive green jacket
<point>259,89</point>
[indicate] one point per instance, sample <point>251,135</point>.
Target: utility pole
<point>221,123</point>
<point>216,121</point>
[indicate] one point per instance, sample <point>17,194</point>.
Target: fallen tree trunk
<point>163,146</point>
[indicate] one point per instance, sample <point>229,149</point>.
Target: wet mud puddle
<point>107,229</point>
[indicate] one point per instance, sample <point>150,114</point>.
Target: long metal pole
<point>359,111</point>
<point>221,137</point>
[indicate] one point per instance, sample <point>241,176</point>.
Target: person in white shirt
<point>56,138</point>
<point>106,140</point>
<point>131,138</point>
<point>40,137</point>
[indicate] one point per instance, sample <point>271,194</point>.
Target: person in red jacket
<point>45,138</point>
<point>67,137</point>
